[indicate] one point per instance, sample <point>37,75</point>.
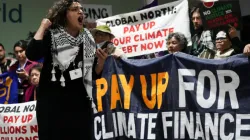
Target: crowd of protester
<point>205,44</point>
<point>28,72</point>
<point>60,88</point>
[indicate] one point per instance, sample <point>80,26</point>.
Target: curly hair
<point>57,13</point>
<point>179,37</point>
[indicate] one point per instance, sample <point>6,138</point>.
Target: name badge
<point>75,74</point>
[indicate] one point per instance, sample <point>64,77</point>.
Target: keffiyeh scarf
<point>64,51</point>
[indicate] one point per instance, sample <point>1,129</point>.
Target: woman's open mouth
<point>80,20</point>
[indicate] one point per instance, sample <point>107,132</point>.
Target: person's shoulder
<point>11,61</point>
<point>31,62</point>
<point>13,66</point>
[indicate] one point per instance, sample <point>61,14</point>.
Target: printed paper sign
<point>220,14</point>
<point>18,121</point>
<point>146,31</point>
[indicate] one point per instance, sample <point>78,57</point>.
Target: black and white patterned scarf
<point>64,51</point>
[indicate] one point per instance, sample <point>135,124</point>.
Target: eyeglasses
<point>221,39</point>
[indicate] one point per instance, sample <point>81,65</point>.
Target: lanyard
<point>19,67</point>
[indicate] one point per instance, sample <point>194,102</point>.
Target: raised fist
<point>46,23</point>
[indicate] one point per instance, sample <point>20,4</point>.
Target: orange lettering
<point>149,103</point>
<point>161,87</point>
<point>127,87</point>
<point>115,94</point>
<point>101,92</point>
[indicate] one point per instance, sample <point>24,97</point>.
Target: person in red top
<point>22,68</point>
<point>34,77</point>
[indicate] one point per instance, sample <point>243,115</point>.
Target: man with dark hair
<point>202,43</point>
<point>4,62</point>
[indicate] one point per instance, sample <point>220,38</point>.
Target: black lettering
<point>4,12</point>
<point>19,11</point>
<point>135,19</point>
<point>1,109</point>
<point>130,20</point>
<point>108,23</point>
<point>144,16</point>
<point>157,14</point>
<point>113,24</point>
<point>124,21</point>
<point>32,108</point>
<point>173,10</point>
<point>96,14</point>
<point>26,108</point>
<point>13,110</point>
<point>150,14</point>
<point>169,10</point>
<point>7,109</point>
<point>87,13</point>
<point>164,10</point>
<point>104,13</point>
<point>118,22</point>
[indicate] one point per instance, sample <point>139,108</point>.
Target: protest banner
<point>8,88</point>
<point>146,31</point>
<point>18,121</point>
<point>177,96</point>
<point>93,12</point>
<point>220,14</point>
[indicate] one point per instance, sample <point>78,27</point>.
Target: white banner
<point>145,31</point>
<point>18,121</point>
<point>94,12</point>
